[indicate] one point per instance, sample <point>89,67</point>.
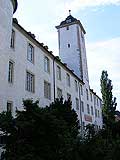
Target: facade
<point>29,70</point>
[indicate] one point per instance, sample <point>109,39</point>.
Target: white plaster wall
<point>69,55</point>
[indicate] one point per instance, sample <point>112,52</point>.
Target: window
<point>68,96</point>
<point>98,114</point>
<point>68,79</point>
<point>68,45</point>
<point>47,90</point>
<point>12,43</point>
<point>10,72</point>
<point>47,64</point>
<point>76,86</point>
<point>82,106</point>
<point>95,112</point>
<point>30,53</point>
<point>88,109</point>
<point>91,96</point>
<point>87,94</point>
<point>9,106</point>
<point>67,27</point>
<point>77,104</point>
<point>58,73</point>
<point>30,82</point>
<point>83,125</point>
<point>92,110</point>
<point>95,100</point>
<point>81,89</point>
<point>59,93</point>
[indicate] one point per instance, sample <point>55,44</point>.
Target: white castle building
<point>29,70</point>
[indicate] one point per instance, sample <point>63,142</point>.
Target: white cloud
<point>104,55</point>
<point>75,5</point>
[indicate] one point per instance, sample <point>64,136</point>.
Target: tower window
<point>68,45</point>
<point>12,43</point>
<point>67,28</point>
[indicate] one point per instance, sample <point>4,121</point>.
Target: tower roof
<point>15,4</point>
<point>69,21</point>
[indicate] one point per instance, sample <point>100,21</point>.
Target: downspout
<point>54,77</point>
<point>80,111</point>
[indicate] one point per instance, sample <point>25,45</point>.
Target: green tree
<point>42,133</point>
<point>109,103</point>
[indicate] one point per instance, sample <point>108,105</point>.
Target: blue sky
<point>100,19</point>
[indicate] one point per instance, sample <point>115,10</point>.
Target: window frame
<point>12,42</point>
<point>68,79</point>
<point>30,52</point>
<point>30,82</point>
<point>58,73</point>
<point>46,64</point>
<point>11,72</point>
<point>47,90</point>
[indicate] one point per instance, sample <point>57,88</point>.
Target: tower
<point>72,46</point>
<point>7,8</point>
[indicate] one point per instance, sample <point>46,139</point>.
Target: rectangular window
<point>67,27</point>
<point>30,53</point>
<point>94,100</point>
<point>82,106</point>
<point>97,102</point>
<point>30,82</point>
<point>77,104</point>
<point>87,94</point>
<point>92,110</point>
<point>11,72</point>
<point>68,79</point>
<point>68,96</point>
<point>68,45</point>
<point>88,109</point>
<point>76,86</point>
<point>46,64</point>
<point>91,96</point>
<point>12,43</point>
<point>58,73</point>
<point>9,106</point>
<point>47,90</point>
<point>95,112</point>
<point>59,93</point>
<point>98,114</point>
<point>81,89</point>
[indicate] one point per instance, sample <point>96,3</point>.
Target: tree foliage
<point>42,133</point>
<point>109,103</point>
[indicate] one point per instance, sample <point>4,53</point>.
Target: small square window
<point>68,45</point>
<point>67,27</point>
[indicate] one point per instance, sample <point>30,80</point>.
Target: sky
<point>100,19</point>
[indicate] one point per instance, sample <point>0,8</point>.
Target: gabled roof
<point>69,19</point>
